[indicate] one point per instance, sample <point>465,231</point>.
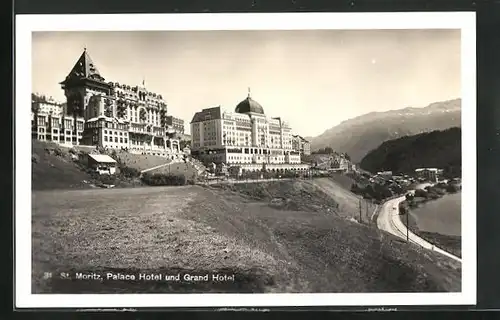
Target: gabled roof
<point>84,68</point>
<point>102,158</point>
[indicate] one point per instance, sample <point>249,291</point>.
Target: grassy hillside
<point>54,168</point>
<point>187,169</point>
<point>321,194</point>
<point>199,230</point>
<point>139,161</point>
<point>51,171</point>
<point>360,135</point>
<point>437,149</point>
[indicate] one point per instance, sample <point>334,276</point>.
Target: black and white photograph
<point>325,160</point>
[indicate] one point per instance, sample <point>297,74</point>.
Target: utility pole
<point>359,210</point>
<point>367,213</point>
<point>407,226</point>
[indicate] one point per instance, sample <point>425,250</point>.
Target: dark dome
<point>249,105</point>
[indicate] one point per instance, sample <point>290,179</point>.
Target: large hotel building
<point>246,138</point>
<point>107,114</point>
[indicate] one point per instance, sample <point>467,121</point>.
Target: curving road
<point>389,220</point>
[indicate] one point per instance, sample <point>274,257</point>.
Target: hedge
<point>160,179</point>
<point>129,172</point>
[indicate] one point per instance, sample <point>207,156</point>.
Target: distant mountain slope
<point>360,135</point>
<point>436,149</point>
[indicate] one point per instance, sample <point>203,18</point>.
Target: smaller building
<point>101,163</point>
<point>301,145</point>
<point>175,123</point>
<point>385,174</point>
<point>42,104</point>
<point>431,174</point>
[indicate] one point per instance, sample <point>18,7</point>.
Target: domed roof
<point>249,105</point>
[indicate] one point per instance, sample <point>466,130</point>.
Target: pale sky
<point>313,79</point>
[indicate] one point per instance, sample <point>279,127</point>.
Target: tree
<point>121,108</point>
<point>451,188</point>
<point>163,116</point>
<point>108,109</point>
<point>420,193</point>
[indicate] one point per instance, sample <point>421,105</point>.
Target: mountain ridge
<point>360,135</point>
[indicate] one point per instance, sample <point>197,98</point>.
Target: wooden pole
<point>367,213</point>
<point>407,227</point>
<point>359,210</point>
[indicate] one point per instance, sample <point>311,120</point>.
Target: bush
<point>129,172</point>
<point>58,152</point>
<point>160,179</point>
<point>421,193</point>
<point>107,179</point>
<point>355,188</point>
<point>451,188</point>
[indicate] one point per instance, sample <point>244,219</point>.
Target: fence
<point>222,180</point>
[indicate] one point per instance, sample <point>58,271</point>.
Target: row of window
<point>55,123</point>
<point>122,140</point>
<point>56,131</point>
<point>43,137</point>
<point>138,96</point>
<point>115,133</point>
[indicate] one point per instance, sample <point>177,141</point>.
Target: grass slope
<point>199,230</point>
<point>186,169</point>
<point>51,171</point>
<point>139,161</point>
<point>54,172</point>
<point>350,205</point>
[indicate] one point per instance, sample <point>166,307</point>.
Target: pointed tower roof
<point>85,69</point>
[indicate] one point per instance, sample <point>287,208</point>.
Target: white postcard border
<point>26,24</point>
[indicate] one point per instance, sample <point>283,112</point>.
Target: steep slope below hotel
<point>360,135</point>
<point>51,169</point>
<point>436,149</point>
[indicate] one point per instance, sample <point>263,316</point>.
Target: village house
<point>431,174</point>
<point>101,163</point>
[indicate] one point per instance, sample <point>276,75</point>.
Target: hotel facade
<point>246,138</point>
<point>108,114</point>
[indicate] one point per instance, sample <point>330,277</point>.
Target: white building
<point>101,163</point>
<point>246,137</point>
